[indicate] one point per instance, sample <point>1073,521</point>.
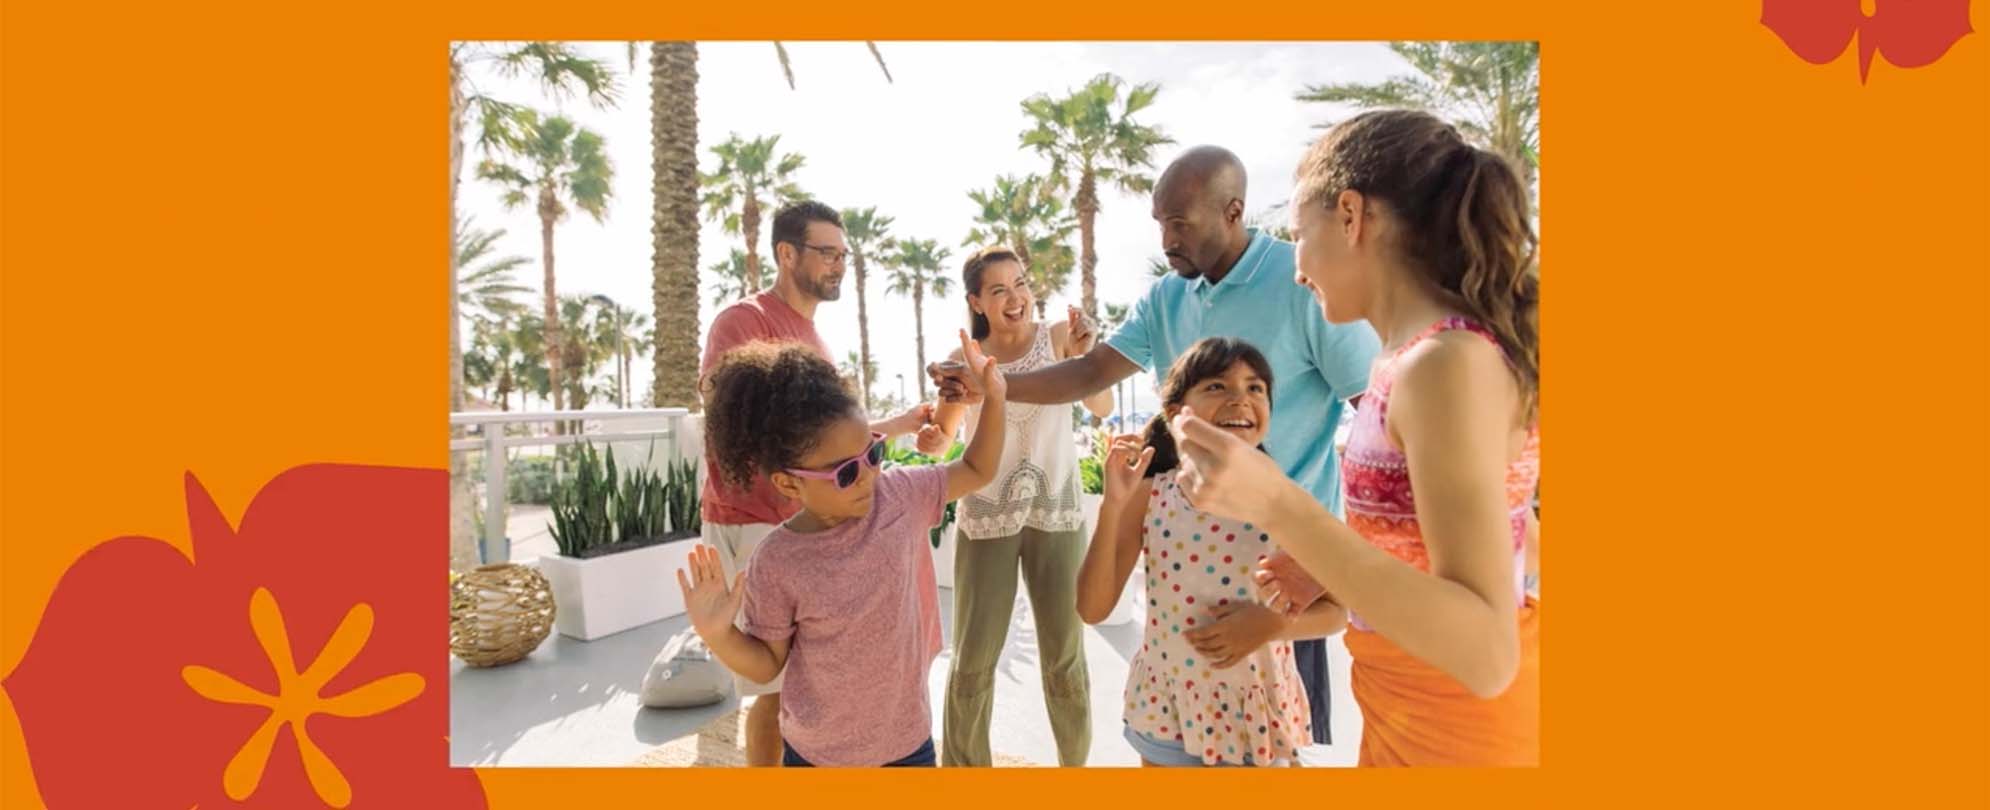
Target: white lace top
<point>1037,483</point>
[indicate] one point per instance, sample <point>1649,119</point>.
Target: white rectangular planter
<point>604,595</point>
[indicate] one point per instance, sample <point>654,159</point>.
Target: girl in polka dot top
<point>1214,682</point>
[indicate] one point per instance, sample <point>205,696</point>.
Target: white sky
<point>913,148</point>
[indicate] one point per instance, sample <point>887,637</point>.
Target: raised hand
<point>955,382</point>
<point>710,605</point>
<point>1083,334</point>
<point>1220,473</point>
<point>1126,464</point>
<point>912,419</point>
<point>933,441</point>
<point>983,368</point>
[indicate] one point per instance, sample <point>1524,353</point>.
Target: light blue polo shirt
<point>1316,366</point>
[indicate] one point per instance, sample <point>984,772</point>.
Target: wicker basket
<point>498,614</point>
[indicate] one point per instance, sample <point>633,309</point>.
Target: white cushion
<point>684,675</point>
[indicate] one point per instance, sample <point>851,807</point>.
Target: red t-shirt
<point>763,316</point>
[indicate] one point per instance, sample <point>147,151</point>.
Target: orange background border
<point>1765,391</point>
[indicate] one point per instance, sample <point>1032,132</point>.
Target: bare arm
<point>712,606</point>
<point>756,660</point>
<point>1115,549</point>
<point>1072,379</point>
<point>977,465</point>
<point>1073,338</point>
<point>1060,382</point>
<point>1460,616</point>
<point>1322,619</point>
<point>949,414</point>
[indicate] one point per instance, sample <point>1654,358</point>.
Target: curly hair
<point>769,404</point>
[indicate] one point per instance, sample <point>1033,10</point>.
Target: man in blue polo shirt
<point>1230,281</point>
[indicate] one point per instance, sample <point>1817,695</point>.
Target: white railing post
<point>496,493</point>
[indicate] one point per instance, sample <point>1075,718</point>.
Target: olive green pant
<point>984,598</point>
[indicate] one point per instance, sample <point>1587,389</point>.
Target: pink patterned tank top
<point>1380,505</point>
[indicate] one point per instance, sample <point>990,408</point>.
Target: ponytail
<point>1498,282</point>
<point>1465,212</point>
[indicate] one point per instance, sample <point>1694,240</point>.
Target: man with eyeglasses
<point>809,256</point>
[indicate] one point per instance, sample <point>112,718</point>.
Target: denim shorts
<point>922,758</point>
<point>1169,753</point>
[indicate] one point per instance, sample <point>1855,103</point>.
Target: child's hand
<point>912,419</point>
<point>1234,631</point>
<point>710,605</point>
<point>932,441</point>
<point>1285,586</point>
<point>1221,474</point>
<point>1125,465</point>
<point>993,385</point>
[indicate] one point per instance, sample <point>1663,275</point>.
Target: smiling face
<point>1331,257</point>
<point>1005,298</point>
<point>1237,400</point>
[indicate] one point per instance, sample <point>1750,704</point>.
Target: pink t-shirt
<point>763,316</point>
<point>860,604</point>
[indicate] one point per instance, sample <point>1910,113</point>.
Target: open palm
<point>707,601</point>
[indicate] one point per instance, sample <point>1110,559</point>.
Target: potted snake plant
<point>622,534</point>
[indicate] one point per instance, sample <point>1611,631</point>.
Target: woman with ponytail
<point>1405,225</point>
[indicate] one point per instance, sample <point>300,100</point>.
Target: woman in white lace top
<point>1027,521</point>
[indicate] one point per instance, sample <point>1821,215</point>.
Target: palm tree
<point>913,267</point>
<point>1021,214</point>
<point>528,370</point>
<point>556,163</point>
<point>480,362</point>
<point>856,370</point>
<point>1091,138</point>
<point>483,289</point>
<point>585,343</point>
<point>1491,91</point>
<point>751,177</point>
<point>729,278</point>
<point>560,72</point>
<point>621,324</point>
<point>866,231</point>
<point>674,218</point>
<point>674,222</point>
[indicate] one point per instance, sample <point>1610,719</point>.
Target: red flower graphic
<point>296,661</point>
<point>1909,33</point>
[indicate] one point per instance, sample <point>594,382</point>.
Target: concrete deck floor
<point>574,703</point>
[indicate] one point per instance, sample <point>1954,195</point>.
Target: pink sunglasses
<point>845,473</point>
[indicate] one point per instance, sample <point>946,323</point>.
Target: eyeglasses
<point>829,253</point>
<point>845,472</point>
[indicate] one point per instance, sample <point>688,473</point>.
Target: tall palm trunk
<point>547,212</point>
<point>863,338</point>
<point>674,223</point>
<point>1088,259</point>
<point>462,497</point>
<point>749,220</point>
<point>919,332</point>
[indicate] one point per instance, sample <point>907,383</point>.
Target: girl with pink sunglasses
<point>831,597</point>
